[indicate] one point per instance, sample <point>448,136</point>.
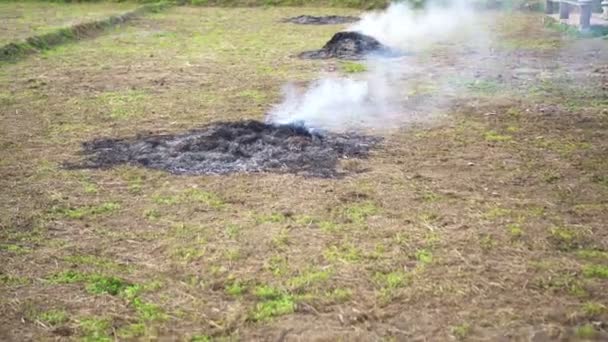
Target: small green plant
<point>497,212</point>
<point>358,213</point>
<point>95,329</point>
<point>208,198</point>
<point>148,311</point>
<point>515,230</point>
<point>487,242</point>
<point>200,338</point>
<point>308,278</point>
<point>343,253</point>
<point>68,277</point>
<point>340,295</point>
<point>393,280</point>
<point>81,212</point>
<point>592,254</point>
<point>274,302</point>
<point>595,271</point>
<point>565,238</point>
<point>131,331</point>
<point>278,265</point>
<point>353,67</point>
<point>493,136</point>
<point>461,331</point>
<point>281,239</point>
<point>329,227</point>
<point>586,331</point>
<point>233,231</point>
<point>236,289</point>
<point>424,256</point>
<point>102,284</point>
<point>591,309</point>
<point>53,317</point>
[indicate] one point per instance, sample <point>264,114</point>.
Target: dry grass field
<point>486,221</point>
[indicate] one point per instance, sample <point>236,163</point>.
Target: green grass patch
<point>359,212</point>
<point>592,254</point>
<point>424,256</point>
<point>461,331</point>
<point>236,289</point>
<point>95,329</point>
<point>515,230</point>
<point>308,279</point>
<point>274,302</point>
<point>595,271</point>
<point>86,211</point>
<point>566,238</point>
<point>343,253</point>
<point>9,280</point>
<point>586,331</point>
<point>190,196</point>
<point>493,136</point>
<point>53,317</point>
<point>353,67</point>
<point>592,309</point>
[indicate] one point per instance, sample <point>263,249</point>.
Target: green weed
<point>592,254</point>
<point>493,136</point>
<point>461,331</point>
<point>353,67</point>
<point>358,213</point>
<point>236,289</point>
<point>132,331</point>
<point>277,265</point>
<point>515,230</point>
<point>308,278</point>
<point>343,253</point>
<point>95,329</point>
<point>566,238</point>
<point>592,309</point>
<point>233,231</point>
<point>586,331</point>
<point>102,284</point>
<point>53,317</point>
<point>424,256</point>
<point>93,210</point>
<point>595,271</point>
<point>274,302</point>
<point>6,279</point>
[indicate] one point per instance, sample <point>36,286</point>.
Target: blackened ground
<point>348,45</point>
<point>226,147</point>
<point>323,20</point>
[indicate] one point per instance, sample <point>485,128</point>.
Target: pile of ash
<point>348,45</point>
<point>227,147</point>
<point>323,20</point>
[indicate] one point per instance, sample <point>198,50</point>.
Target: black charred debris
<point>348,45</point>
<point>228,147</point>
<point>322,20</point>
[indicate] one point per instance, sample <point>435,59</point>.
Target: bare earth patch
<point>486,223</point>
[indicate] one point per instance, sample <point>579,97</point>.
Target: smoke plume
<point>380,97</point>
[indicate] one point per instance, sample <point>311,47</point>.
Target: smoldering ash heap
<point>348,45</point>
<point>228,147</point>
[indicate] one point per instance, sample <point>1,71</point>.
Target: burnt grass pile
<point>228,147</point>
<point>348,45</point>
<point>322,20</point>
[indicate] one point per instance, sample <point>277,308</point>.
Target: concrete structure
<point>585,16</point>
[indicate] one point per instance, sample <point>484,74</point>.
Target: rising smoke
<point>377,99</point>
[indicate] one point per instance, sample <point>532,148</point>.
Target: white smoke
<point>403,28</point>
<point>374,99</point>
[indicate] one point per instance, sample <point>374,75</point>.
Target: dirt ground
<point>485,222</point>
